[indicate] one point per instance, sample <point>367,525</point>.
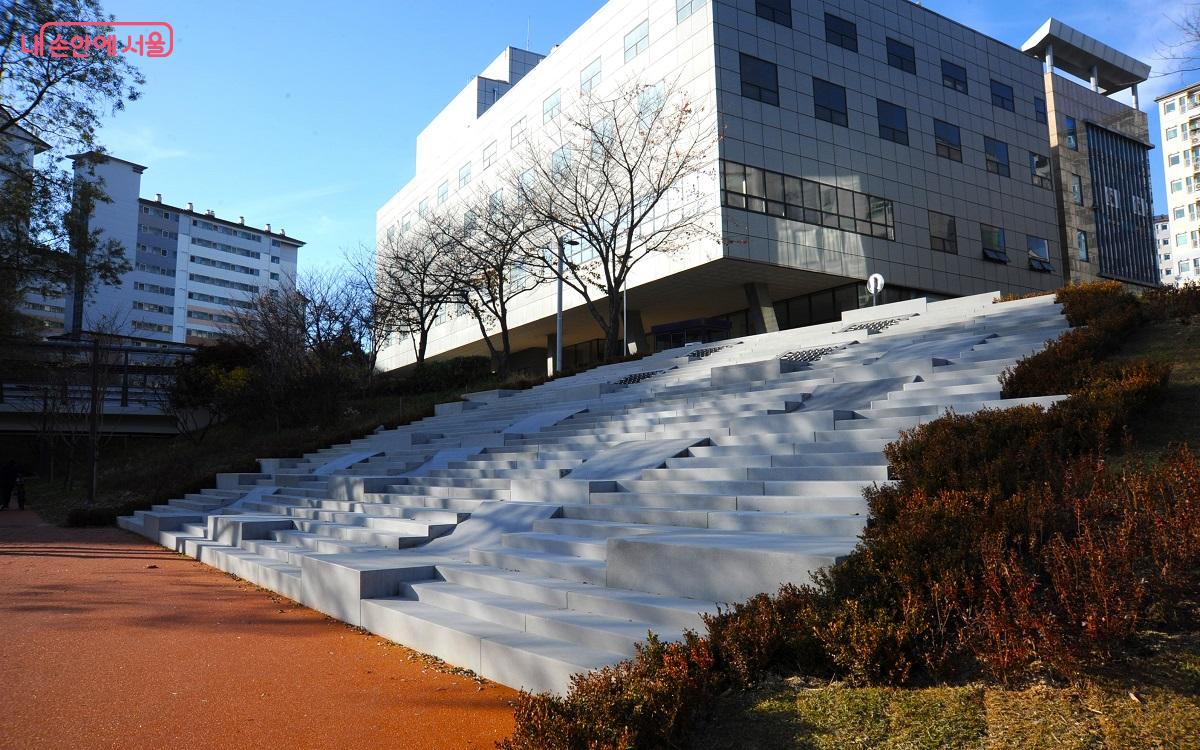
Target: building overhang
<point>1082,56</point>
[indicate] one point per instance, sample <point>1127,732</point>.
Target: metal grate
<point>809,355</point>
<point>638,377</point>
<point>875,326</point>
<point>698,354</point>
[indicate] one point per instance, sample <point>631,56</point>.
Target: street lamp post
<point>558,322</point>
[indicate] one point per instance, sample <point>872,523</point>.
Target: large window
<point>1039,168</point>
<point>1039,109</point>
<point>1172,133</point>
<point>901,55</point>
<point>1081,245</point>
<point>1002,96</point>
<point>637,40</point>
<point>517,133</point>
<point>943,233</point>
<point>954,76</point>
<point>489,155</point>
<point>808,201</point>
<point>443,193</point>
<point>760,80</point>
<point>829,102</point>
<point>1072,131</point>
<point>589,77</point>
<point>948,140</point>
<point>841,32</point>
<point>464,175</point>
<point>893,122</point>
<point>551,106</point>
<point>1077,190</point>
<point>777,11</point>
<point>996,153</point>
<point>993,243</point>
<point>1039,254</point>
<point>685,8</point>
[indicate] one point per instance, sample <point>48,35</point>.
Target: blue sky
<point>306,117</point>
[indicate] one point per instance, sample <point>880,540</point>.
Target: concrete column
<point>1133,91</point>
<point>551,347</point>
<point>1095,79</point>
<point>1049,58</point>
<point>636,332</point>
<point>762,309</point>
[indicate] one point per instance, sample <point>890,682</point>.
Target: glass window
<point>423,207</point>
<point>1179,212</point>
<point>1039,109</point>
<point>1039,254</point>
<point>517,134</point>
<point>637,40</point>
<point>954,76</point>
<point>1077,190</point>
<point>1173,159</point>
<point>685,8</point>
<point>1081,245</point>
<point>1169,106</point>
<point>443,192</point>
<point>1039,168</point>
<point>1072,133</point>
<point>1185,266</point>
<point>760,80</point>
<point>589,77</point>
<point>993,243</point>
<point>776,11</point>
<point>1176,186</point>
<point>552,106</point>
<point>489,154</point>
<point>1172,133</point>
<point>841,32</point>
<point>996,153</point>
<point>948,140</point>
<point>1002,96</point>
<point>464,175</point>
<point>943,234</point>
<point>1181,239</point>
<point>901,55</point>
<point>829,102</point>
<point>893,122</point>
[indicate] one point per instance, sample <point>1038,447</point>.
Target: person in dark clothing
<point>9,474</point>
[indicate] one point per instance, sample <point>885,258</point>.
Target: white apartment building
<point>1179,115</point>
<point>1162,244</point>
<point>191,270</point>
<point>932,153</point>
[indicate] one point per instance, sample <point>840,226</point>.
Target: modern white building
<point>1179,116</point>
<point>860,137</point>
<point>191,270</point>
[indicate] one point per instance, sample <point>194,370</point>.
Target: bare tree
<point>624,176</point>
<point>486,247</point>
<point>374,312</point>
<point>413,280</point>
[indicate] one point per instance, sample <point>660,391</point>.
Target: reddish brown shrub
<point>1172,302</point>
<point>768,632</point>
<point>648,701</point>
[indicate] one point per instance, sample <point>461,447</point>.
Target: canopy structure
<point>1109,70</point>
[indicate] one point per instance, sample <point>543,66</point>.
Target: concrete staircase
<point>532,535</point>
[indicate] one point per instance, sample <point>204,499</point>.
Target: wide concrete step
<point>519,659</point>
<point>582,628</point>
<point>558,544</point>
<point>566,567</point>
<point>599,530</point>
<point>848,472</point>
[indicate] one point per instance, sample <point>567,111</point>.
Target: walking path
<point>107,641</point>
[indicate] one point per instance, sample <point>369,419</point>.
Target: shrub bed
<point>1005,548</point>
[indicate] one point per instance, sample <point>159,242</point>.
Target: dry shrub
<point>649,701</point>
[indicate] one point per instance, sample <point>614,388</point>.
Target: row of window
<point>157,232</point>
<point>843,33</point>
<point>145,325</point>
<point>158,212</point>
<point>162,251</point>
<point>1183,103</point>
<point>213,317</point>
<point>253,254</point>
<point>943,237</point>
<point>210,226</point>
<point>201,334</point>
<point>142,286</point>
<point>214,299</point>
<point>223,283</point>
<point>201,260</point>
<point>153,307</point>
<point>159,270</point>
<point>808,201</point>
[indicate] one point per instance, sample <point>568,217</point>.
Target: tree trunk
<point>505,349</point>
<point>612,349</point>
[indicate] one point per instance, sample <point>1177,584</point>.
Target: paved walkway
<point>107,641</point>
